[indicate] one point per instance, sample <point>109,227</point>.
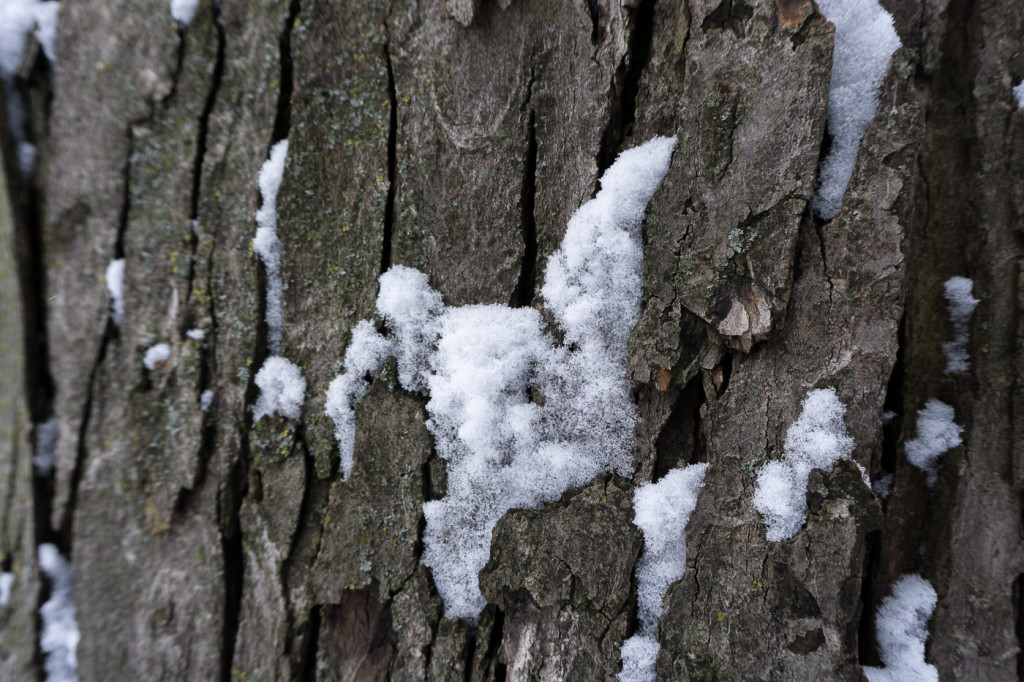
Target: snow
<point>184,11</point>
<point>365,353</point>
<point>196,334</point>
<point>59,638</point>
<point>1018,92</point>
<point>115,287</point>
<point>46,28</point>
<point>27,155</point>
<point>46,447</point>
<point>267,244</point>
<point>18,18</point>
<point>205,400</point>
<point>482,363</point>
<point>6,583</point>
<point>662,511</point>
<point>282,390</point>
<point>936,433</point>
<point>901,629</point>
<point>882,487</point>
<point>156,354</point>
<point>816,440</point>
<point>639,658</point>
<point>960,304</point>
<point>865,40</point>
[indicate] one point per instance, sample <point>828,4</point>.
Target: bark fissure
<point>523,294</point>
<point>236,487</point>
<point>626,85</point>
<point>64,536</point>
<point>201,141</point>
<point>392,161</point>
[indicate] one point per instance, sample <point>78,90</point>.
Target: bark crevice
<point>523,294</point>
<point>392,161</point>
<point>626,86</point>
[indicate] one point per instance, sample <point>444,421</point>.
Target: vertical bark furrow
<point>392,161</point>
<point>626,85</point>
<point>201,142</point>
<point>523,294</point>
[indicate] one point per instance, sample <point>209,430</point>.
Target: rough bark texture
<point>458,137</point>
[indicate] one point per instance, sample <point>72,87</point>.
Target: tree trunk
<point>458,138</point>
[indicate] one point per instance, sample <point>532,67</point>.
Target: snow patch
<point>519,418</point>
<point>115,287</point>
<point>1018,92</point>
<point>936,433</point>
<point>901,629</point>
<point>661,511</point>
<point>46,447</point>
<point>156,354</point>
<point>59,638</point>
<point>196,334</point>
<point>46,28</point>
<point>184,11</point>
<point>205,400</point>
<point>282,390</point>
<point>865,40</point>
<point>267,244</point>
<point>817,440</point>
<point>366,351</point>
<point>882,487</point>
<point>18,18</point>
<point>6,584</point>
<point>960,304</point>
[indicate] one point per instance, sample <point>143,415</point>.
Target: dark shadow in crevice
<point>523,294</point>
<point>310,639</point>
<point>626,86</point>
<point>681,440</point>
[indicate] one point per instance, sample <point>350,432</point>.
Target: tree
<point>458,138</point>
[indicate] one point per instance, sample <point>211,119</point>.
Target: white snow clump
<point>365,353</point>
<point>205,400</point>
<point>282,389</point>
<point>865,40</point>
<point>960,304</point>
<point>814,441</point>
<point>6,583</point>
<point>46,447</point>
<point>482,363</point>
<point>936,433</point>
<point>59,639</point>
<point>115,287</point>
<point>184,11</point>
<point>18,18</point>
<point>267,244</point>
<point>662,511</point>
<point>282,386</point>
<point>156,354</point>
<point>1018,92</point>
<point>901,630</point>
<point>196,334</point>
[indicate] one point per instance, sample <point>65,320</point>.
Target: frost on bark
<point>458,138</point>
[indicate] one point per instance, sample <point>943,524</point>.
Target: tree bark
<point>458,138</point>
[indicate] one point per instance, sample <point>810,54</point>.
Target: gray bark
<point>458,138</point>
